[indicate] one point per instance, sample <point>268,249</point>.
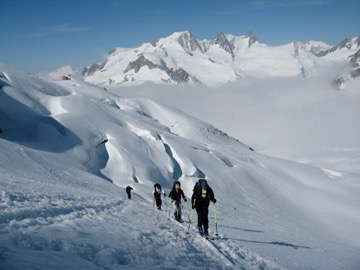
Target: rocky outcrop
<point>189,42</point>
<point>178,75</point>
<point>346,43</point>
<point>224,43</point>
<point>139,63</point>
<point>89,71</point>
<point>353,74</point>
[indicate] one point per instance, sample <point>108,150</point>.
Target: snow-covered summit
<point>182,58</point>
<point>348,44</point>
<point>315,47</point>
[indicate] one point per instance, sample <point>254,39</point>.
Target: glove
<point>164,195</point>
<point>185,200</point>
<point>193,206</point>
<point>214,201</point>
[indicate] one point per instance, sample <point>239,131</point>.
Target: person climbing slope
<point>200,200</point>
<point>128,190</point>
<point>175,194</point>
<point>157,195</point>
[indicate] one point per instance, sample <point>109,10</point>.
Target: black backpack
<point>201,189</point>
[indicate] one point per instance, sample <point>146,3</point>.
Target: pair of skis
<point>203,235</point>
<point>207,237</point>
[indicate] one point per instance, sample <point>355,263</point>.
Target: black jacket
<point>197,199</point>
<point>176,195</point>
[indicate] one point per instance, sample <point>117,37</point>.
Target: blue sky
<point>44,35</point>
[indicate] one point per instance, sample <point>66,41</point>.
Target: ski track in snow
<point>27,220</point>
<point>23,211</point>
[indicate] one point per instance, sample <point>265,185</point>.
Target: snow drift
<point>68,149</point>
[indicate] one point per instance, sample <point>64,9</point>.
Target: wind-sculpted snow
<point>26,120</point>
<point>21,210</point>
<point>69,148</point>
<point>47,229</point>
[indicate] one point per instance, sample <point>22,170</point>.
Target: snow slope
<point>68,148</point>
<point>305,120</point>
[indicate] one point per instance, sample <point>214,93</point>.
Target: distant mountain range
<point>182,58</point>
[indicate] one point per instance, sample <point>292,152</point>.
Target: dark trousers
<point>129,194</point>
<point>203,220</point>
<point>158,200</point>
<point>177,211</point>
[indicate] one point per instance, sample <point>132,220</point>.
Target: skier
<point>128,191</point>
<point>157,195</point>
<point>175,194</point>
<point>200,200</point>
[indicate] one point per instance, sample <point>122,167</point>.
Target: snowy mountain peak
<point>224,43</point>
<point>316,47</point>
<point>251,37</point>
<point>182,58</point>
<point>242,41</point>
<point>188,41</point>
<point>349,43</point>
<point>346,44</point>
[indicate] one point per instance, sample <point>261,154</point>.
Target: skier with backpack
<point>175,194</point>
<point>157,195</point>
<point>200,200</point>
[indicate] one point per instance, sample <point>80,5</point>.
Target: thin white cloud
<point>265,4</point>
<point>58,29</point>
<point>66,28</point>
<point>57,74</point>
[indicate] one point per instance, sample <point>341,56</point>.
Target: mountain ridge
<point>182,58</point>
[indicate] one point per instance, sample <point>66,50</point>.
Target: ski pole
<point>165,201</point>
<point>170,207</point>
<point>190,219</point>
<point>187,209</point>
<point>215,205</point>
<point>190,216</point>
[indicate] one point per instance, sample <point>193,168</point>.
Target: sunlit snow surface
<point>181,57</point>
<point>69,148</point>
